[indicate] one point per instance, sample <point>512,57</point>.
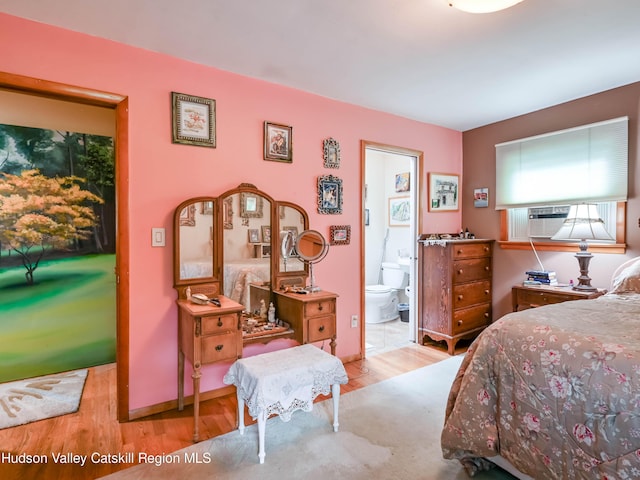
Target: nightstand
<point>531,296</point>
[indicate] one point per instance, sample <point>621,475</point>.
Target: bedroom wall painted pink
<point>162,174</point>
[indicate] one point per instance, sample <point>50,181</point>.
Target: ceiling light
<point>482,6</point>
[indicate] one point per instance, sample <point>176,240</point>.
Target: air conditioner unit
<point>544,222</point>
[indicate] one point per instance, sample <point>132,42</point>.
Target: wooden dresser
<point>206,334</point>
<point>454,293</point>
<point>312,316</point>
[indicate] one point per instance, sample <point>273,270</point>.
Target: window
<point>582,164</point>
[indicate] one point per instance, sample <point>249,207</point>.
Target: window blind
<point>586,163</point>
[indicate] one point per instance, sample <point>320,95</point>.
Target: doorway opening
<point>391,212</point>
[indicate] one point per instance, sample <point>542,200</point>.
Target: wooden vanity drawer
<point>320,307</point>
<point>468,250</point>
<point>217,348</point>
<point>216,325</point>
<point>321,328</point>
<point>470,318</point>
<point>472,269</point>
<point>471,294</point>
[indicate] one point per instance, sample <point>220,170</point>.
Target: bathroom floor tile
<point>382,337</point>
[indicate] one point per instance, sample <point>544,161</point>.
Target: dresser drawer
<point>535,299</point>
<point>470,318</point>
<point>217,348</point>
<point>468,250</point>
<point>320,307</point>
<point>472,269</point>
<point>471,294</point>
<point>216,325</point>
<point>321,328</point>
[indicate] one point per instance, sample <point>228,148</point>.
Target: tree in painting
<point>39,213</point>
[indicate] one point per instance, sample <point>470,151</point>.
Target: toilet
<point>381,301</point>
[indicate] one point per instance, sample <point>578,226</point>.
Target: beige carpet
<point>390,430</point>
<point>26,401</point>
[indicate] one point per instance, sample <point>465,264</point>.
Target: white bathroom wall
<point>380,176</point>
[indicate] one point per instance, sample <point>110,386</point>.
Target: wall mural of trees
<point>57,250</point>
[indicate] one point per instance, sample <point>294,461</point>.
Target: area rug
<point>389,430</point>
<point>26,401</point>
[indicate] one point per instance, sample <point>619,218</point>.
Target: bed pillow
<point>628,281</point>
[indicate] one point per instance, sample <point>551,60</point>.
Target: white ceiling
<point>419,59</point>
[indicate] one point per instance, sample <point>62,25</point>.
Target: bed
<point>553,392</point>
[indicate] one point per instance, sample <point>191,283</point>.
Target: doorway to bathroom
<point>390,193</point>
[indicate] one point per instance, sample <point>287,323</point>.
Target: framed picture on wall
<point>481,197</point>
<point>194,120</point>
<point>443,192</point>
<point>402,182</point>
<point>278,142</point>
<point>399,211</point>
<point>340,234</point>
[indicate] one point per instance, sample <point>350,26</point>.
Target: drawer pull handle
<point>486,269</point>
<point>321,329</point>
<point>459,252</point>
<point>486,314</point>
<point>320,307</point>
<point>486,292</point>
<point>460,272</point>
<point>460,322</point>
<point>219,347</point>
<point>219,322</point>
<point>460,297</point>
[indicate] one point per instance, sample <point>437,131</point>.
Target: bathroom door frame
<point>416,192</point>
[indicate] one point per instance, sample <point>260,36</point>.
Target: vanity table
<point>312,316</point>
<point>215,255</point>
<point>206,334</point>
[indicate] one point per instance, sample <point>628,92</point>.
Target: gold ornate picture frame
<point>193,119</point>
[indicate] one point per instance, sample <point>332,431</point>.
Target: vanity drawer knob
<point>320,307</point>
<point>219,347</point>
<point>321,329</point>
<point>219,322</point>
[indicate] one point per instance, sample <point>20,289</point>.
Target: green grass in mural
<point>66,320</point>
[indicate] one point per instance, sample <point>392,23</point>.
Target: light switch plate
<point>157,237</point>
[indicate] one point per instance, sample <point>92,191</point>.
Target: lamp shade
<point>583,223</point>
<point>482,6</point>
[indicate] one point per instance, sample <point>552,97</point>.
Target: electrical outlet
<point>354,321</point>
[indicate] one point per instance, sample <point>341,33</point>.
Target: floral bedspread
<point>554,390</point>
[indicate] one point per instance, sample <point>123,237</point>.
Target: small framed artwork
<point>399,211</point>
<point>340,234</point>
<point>481,197</point>
<point>292,229</point>
<point>266,233</point>
<point>329,194</point>
<point>402,182</point>
<point>443,192</point>
<point>250,205</point>
<point>188,216</point>
<point>254,235</point>
<point>278,142</point>
<point>194,120</point>
<point>207,208</point>
<point>331,155</point>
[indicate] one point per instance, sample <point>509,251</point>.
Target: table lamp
<point>583,223</point>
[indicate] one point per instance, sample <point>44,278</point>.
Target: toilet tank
<point>393,275</point>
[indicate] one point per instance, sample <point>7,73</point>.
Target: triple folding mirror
<point>224,245</point>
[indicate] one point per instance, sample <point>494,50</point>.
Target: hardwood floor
<point>94,430</point>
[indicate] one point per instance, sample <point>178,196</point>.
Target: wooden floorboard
<point>94,427</point>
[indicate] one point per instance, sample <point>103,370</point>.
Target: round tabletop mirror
<point>311,247</point>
